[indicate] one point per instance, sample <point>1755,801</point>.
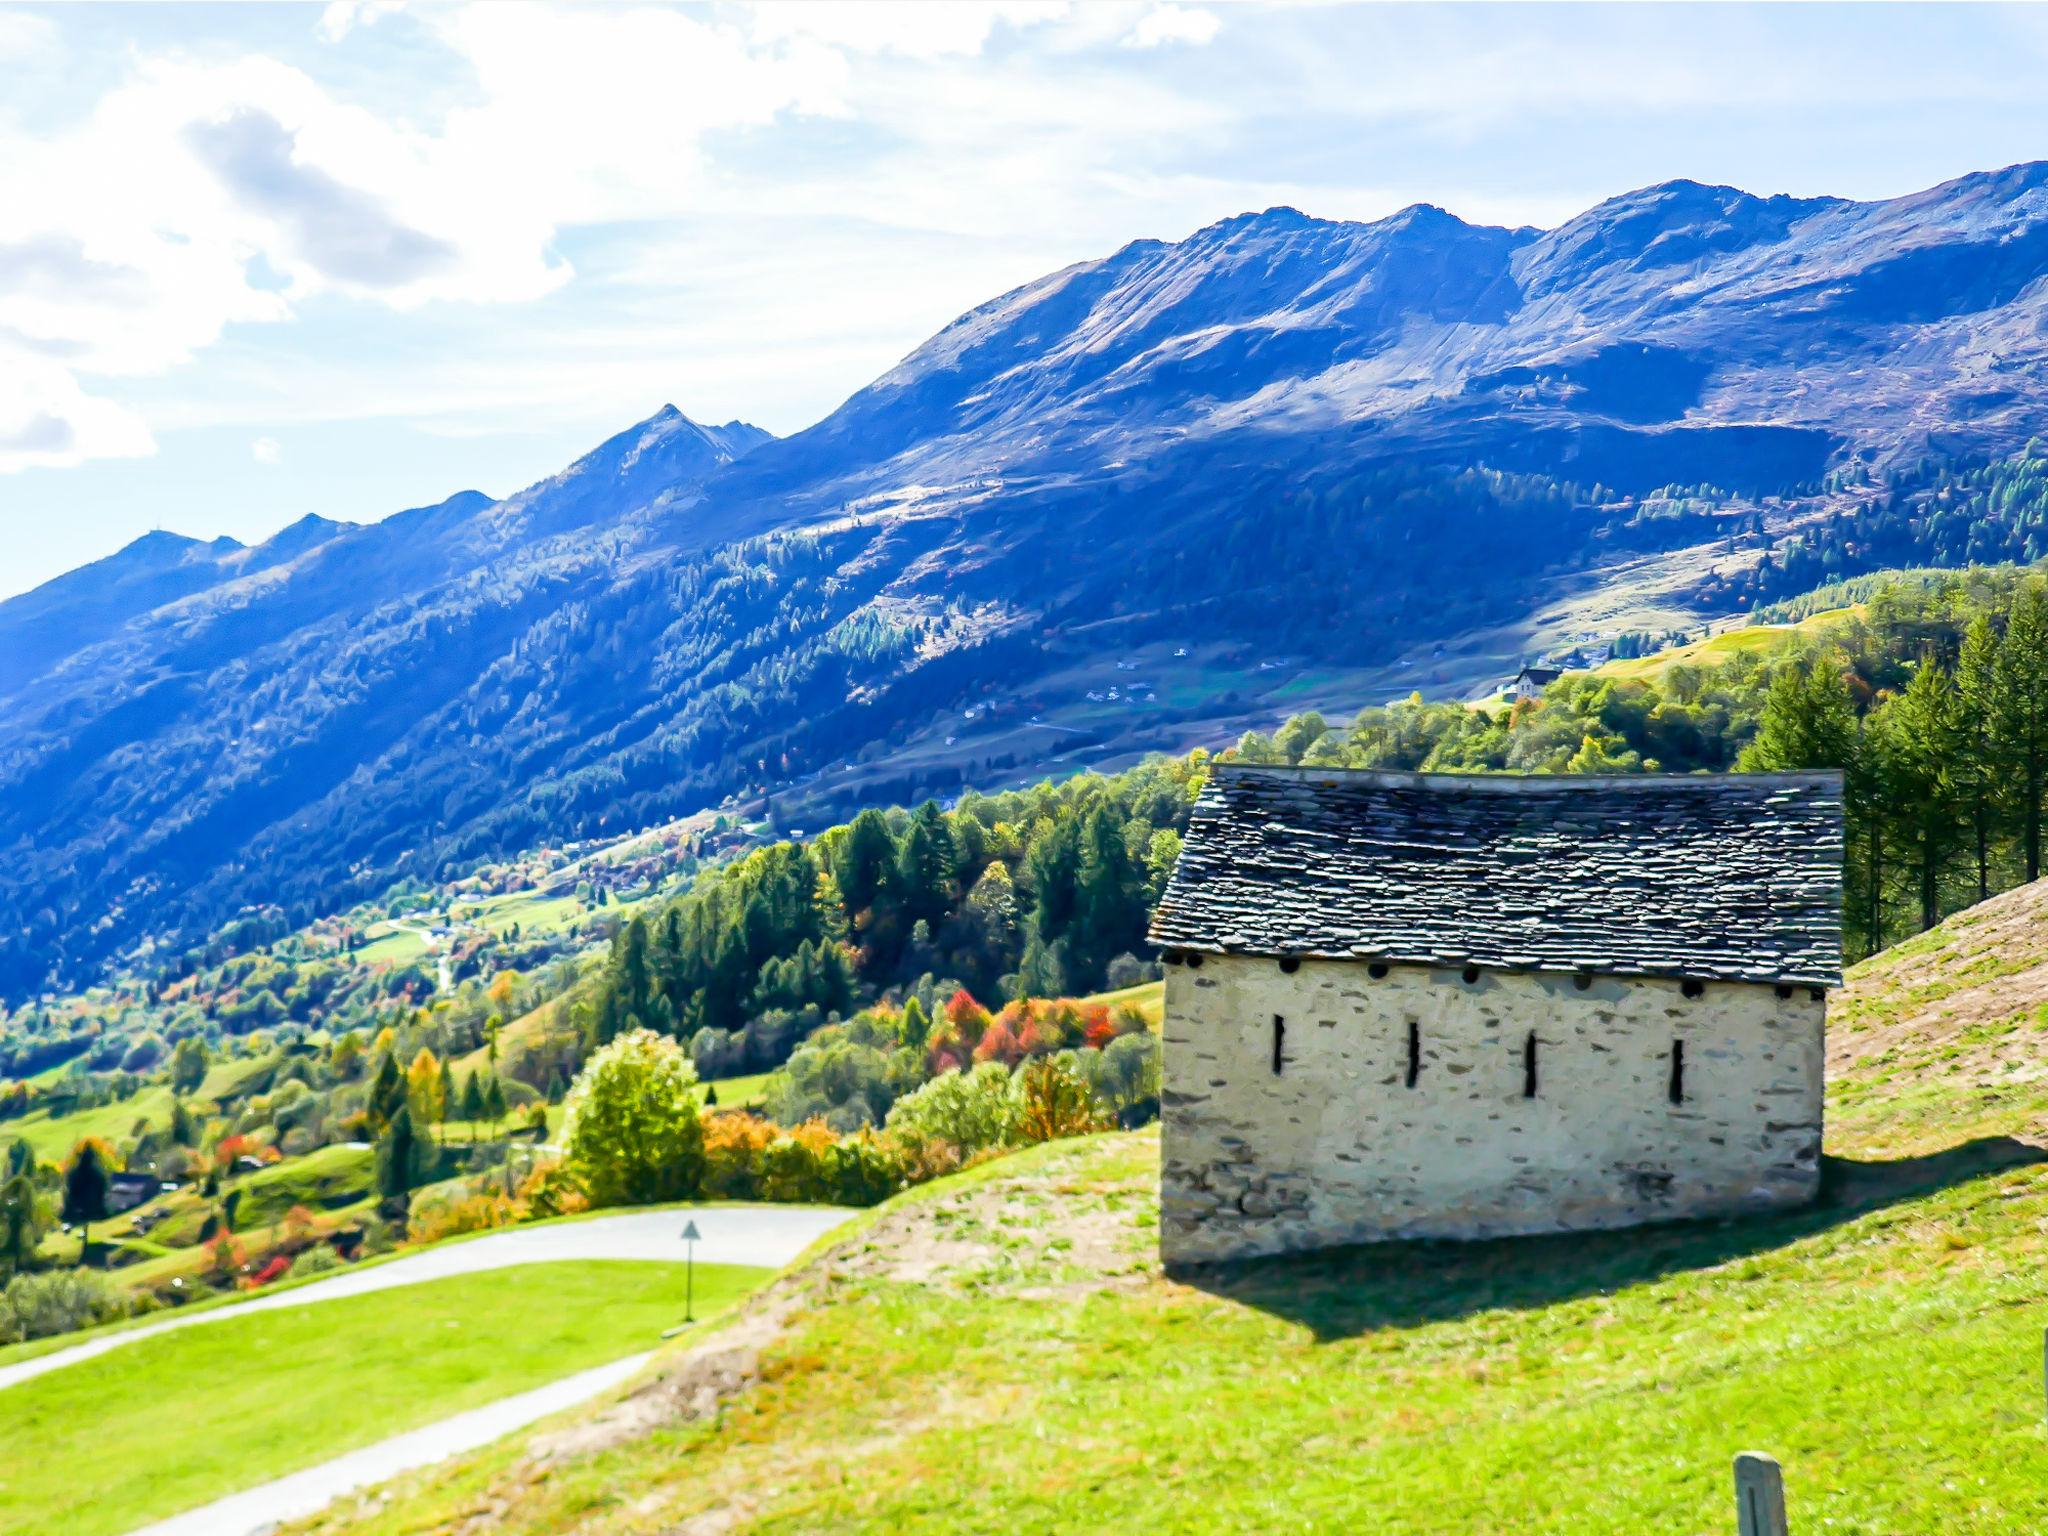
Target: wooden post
<point>1759,1495</point>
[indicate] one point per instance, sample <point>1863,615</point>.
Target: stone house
<point>1459,1006</point>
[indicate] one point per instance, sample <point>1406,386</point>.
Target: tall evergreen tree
<point>494,1103</point>
<point>1928,812</point>
<point>85,1191</point>
<point>446,1101</point>
<point>866,861</point>
<point>2019,718</point>
<point>387,1093</point>
<point>398,1157</point>
<point>20,1225</point>
<point>1976,711</point>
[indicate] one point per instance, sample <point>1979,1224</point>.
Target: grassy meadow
<point>209,1410</point>
<point>998,1351</point>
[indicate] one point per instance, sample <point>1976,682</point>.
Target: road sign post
<point>690,1272</point>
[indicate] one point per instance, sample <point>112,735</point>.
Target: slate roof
<point>1734,877</point>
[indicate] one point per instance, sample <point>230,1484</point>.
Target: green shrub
<point>37,1306</point>
<point>633,1132</point>
<point>971,1110</point>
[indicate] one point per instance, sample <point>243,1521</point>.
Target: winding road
<point>767,1236</point>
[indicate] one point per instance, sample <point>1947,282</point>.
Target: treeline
<point>1933,699</point>
<point>1939,514</point>
<point>1038,893</point>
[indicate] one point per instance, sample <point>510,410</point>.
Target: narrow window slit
<point>1279,1041</point>
<point>1678,1071</point>
<point>1414,1051</point>
<point>1529,1066</point>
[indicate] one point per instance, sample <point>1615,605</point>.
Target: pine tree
<point>446,1102</point>
<point>1928,814</point>
<point>85,1191</point>
<point>20,1225</point>
<point>1977,706</point>
<point>472,1102</point>
<point>1109,909</point>
<point>2019,728</point>
<point>1808,721</point>
<point>494,1104</point>
<point>387,1093</point>
<point>924,875</point>
<point>865,861</point>
<point>397,1157</point>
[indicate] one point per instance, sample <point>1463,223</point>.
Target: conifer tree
<point>20,1225</point>
<point>2019,718</point>
<point>387,1093</point>
<point>865,861</point>
<point>1927,803</point>
<point>494,1104</point>
<point>398,1156</point>
<point>445,1100</point>
<point>85,1191</point>
<point>1976,709</point>
<point>472,1102</point>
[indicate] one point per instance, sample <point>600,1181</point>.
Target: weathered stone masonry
<point>1411,1005</point>
<point>1337,1148</point>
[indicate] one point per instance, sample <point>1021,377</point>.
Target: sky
<point>261,260</point>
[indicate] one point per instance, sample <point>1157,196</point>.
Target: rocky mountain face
<point>1141,501</point>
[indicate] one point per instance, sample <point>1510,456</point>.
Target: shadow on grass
<point>1343,1292</point>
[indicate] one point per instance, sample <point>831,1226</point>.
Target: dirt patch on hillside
<point>1970,995</point>
<point>1041,1234</point>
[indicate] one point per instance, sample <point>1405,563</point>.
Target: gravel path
<point>766,1235</point>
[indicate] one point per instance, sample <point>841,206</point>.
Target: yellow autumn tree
<point>423,1088</point>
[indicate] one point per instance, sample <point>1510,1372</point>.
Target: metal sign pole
<point>690,1272</point>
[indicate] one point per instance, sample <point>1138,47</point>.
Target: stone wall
<point>1339,1148</point>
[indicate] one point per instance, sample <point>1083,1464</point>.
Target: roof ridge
<point>1817,777</point>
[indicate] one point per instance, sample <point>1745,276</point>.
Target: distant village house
<point>1530,682</point>
<point>1430,1005</point>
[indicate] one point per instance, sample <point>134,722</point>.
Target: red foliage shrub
<point>966,1015</point>
<point>998,1044</point>
<point>273,1268</point>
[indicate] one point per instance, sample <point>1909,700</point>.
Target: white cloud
<point>915,29</point>
<point>24,34</point>
<point>1169,23</point>
<point>341,17</point>
<point>48,421</point>
<point>267,450</point>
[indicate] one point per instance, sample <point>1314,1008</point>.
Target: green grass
<point>1886,1347</point>
<point>1148,997</point>
<point>1753,639</point>
<point>737,1092</point>
<point>383,943</point>
<point>207,1411</point>
<point>53,1137</point>
<point>1885,1344</point>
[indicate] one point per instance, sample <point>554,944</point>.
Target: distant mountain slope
<point>1141,502</point>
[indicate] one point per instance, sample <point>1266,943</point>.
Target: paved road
<point>767,1235</point>
<point>304,1493</point>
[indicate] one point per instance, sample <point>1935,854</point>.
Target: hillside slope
<point>1142,502</point>
<point>999,1351</point>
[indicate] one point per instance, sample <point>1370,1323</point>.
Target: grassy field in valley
<point>999,1351</point>
<point>206,1411</point>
